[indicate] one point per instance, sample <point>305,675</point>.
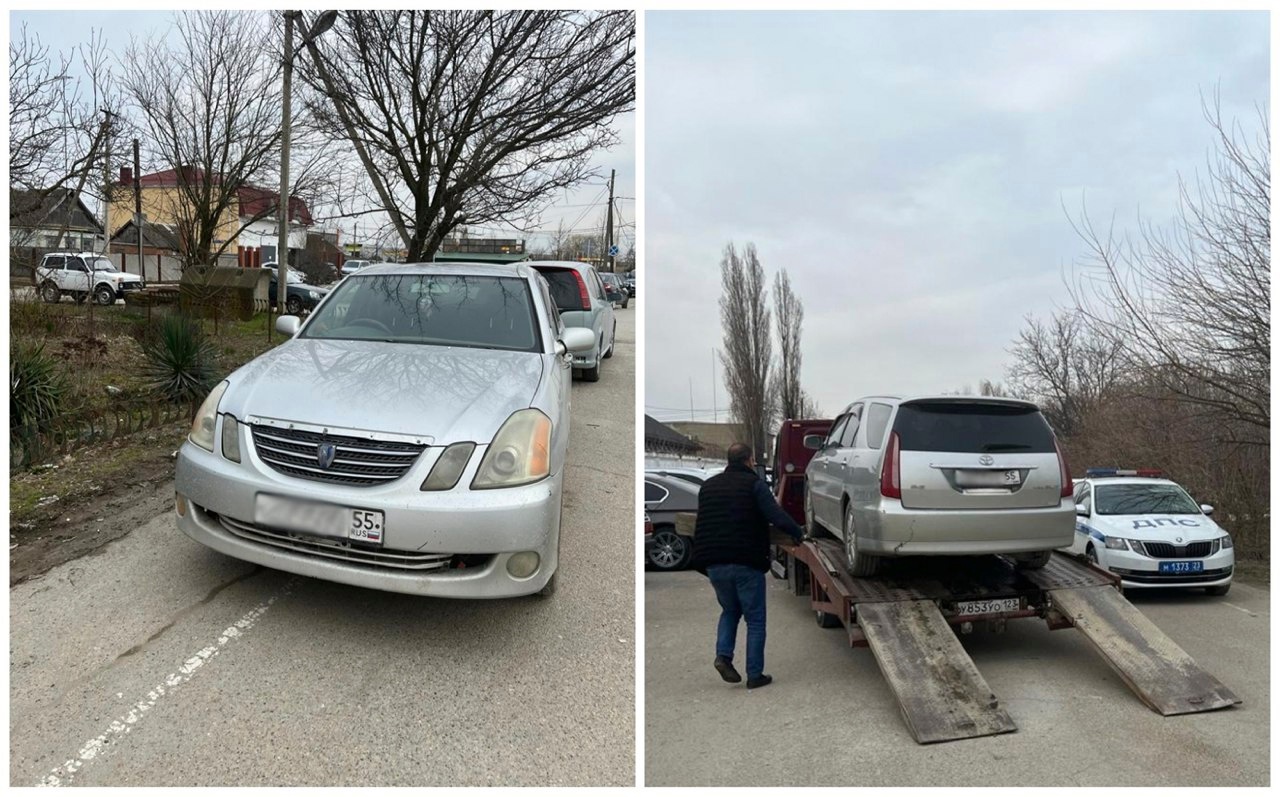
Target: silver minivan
<point>582,301</point>
<point>940,475</point>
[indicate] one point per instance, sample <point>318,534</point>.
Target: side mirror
<point>288,325</point>
<point>813,442</point>
<point>1205,508</point>
<point>576,339</point>
<point>1082,510</point>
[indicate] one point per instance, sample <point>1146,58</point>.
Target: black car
<point>664,497</point>
<point>614,290</point>
<point>300,295</point>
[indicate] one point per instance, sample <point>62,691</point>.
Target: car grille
<point>338,549</point>
<point>1195,550</point>
<point>359,461</point>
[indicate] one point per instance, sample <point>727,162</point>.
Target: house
<point>662,439</point>
<point>716,438</point>
<point>464,249</point>
<point>250,236</point>
<point>36,218</point>
<point>161,254</point>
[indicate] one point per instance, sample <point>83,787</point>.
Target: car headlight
<point>230,437</point>
<point>206,418</point>
<point>519,454</point>
<point>1116,543</point>
<point>1136,546</point>
<point>448,468</point>
<point>1226,542</point>
<point>313,294</point>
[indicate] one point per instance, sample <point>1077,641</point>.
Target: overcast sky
<point>581,209</point>
<point>909,171</point>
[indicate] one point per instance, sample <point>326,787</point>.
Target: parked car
<point>350,267</point>
<point>695,476</point>
<point>613,289</point>
<point>300,295</point>
<point>940,475</point>
<point>1149,531</point>
<point>81,275</point>
<point>664,497</point>
<point>629,282</point>
<point>582,302</point>
<point>411,437</point>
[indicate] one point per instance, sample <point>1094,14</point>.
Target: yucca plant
<point>37,390</point>
<point>180,360</point>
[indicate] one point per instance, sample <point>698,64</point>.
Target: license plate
<point>990,606</point>
<point>324,520</point>
<point>1181,567</point>
<point>988,478</point>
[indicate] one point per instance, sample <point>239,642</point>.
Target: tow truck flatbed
<point>906,616</point>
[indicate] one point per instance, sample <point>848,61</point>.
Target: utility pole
<point>286,122</point>
<point>608,225</point>
<point>715,412</point>
<point>137,210</point>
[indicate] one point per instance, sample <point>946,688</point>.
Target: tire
<point>669,551</point>
<point>549,588</point>
<point>1091,556</point>
<point>612,340</point>
<point>294,305</point>
<point>827,620</point>
<point>593,374</point>
<point>80,297</point>
<point>811,526</point>
<point>1218,591</point>
<point>50,292</point>
<point>104,295</point>
<point>860,564</point>
<point>625,302</point>
<point>1032,561</point>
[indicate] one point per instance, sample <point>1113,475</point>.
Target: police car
<point>1148,530</point>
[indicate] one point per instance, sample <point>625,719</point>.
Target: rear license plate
<point>991,606</point>
<point>325,520</point>
<point>1181,567</point>
<point>988,478</point>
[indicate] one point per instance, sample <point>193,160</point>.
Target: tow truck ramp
<point>906,616</point>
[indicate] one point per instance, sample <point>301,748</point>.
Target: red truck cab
<point>790,458</point>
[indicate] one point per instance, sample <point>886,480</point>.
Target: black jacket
<point>731,527</point>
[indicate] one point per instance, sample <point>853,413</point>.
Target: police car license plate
<point>1181,567</point>
<point>324,520</point>
<point>991,606</point>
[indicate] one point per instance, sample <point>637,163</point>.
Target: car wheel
<point>612,340</point>
<point>826,620</point>
<point>810,525</point>
<point>669,551</point>
<point>50,293</point>
<point>1218,591</point>
<point>549,588</point>
<point>1091,556</point>
<point>104,296</point>
<point>1032,561</point>
<point>860,564</point>
<point>80,296</point>
<point>625,302</point>
<point>593,374</point>
<point>294,305</point>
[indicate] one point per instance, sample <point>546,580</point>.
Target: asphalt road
<point>829,719</point>
<point>156,661</point>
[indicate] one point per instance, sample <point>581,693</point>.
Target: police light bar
<point>1099,473</point>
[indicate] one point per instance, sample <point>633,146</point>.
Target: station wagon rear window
<point>973,428</point>
<point>436,309</point>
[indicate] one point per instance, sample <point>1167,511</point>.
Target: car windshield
<point>435,309</point>
<point>1142,499</point>
<point>100,264</point>
<point>973,428</point>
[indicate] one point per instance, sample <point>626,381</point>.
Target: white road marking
<point>62,776</point>
<point>1239,609</point>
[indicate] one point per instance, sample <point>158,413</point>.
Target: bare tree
<point>468,117</point>
<point>1065,366</point>
<point>211,106</point>
<point>789,312</point>
<point>748,344</point>
<point>1191,305</point>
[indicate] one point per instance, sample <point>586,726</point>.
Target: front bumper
<point>1141,572</point>
<point>459,522</point>
<point>891,530</point>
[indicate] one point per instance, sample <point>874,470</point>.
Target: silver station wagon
<point>940,475</point>
<point>411,437</point>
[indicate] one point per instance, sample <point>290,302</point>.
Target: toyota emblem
<point>986,459</point>
<point>325,452</point>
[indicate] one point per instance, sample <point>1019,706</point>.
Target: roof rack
<point>1102,473</point>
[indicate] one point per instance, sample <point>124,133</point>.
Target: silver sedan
<point>411,437</point>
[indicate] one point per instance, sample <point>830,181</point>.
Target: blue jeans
<point>740,591</point>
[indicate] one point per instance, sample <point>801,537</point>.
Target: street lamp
<point>322,24</point>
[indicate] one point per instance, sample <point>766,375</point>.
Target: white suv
<point>1148,530</point>
<point>81,275</point>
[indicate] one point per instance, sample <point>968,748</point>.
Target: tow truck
<point>908,617</point>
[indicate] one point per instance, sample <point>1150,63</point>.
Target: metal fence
<point>28,447</point>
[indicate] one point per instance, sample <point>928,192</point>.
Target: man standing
<point>731,547</point>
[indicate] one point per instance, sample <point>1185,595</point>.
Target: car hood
<point>446,394</point>
<point>1157,527</point>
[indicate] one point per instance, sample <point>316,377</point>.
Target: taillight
<point>1064,473</point>
<point>582,291</point>
<point>890,486</point>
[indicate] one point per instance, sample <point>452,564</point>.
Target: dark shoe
<point>763,680</point>
<point>726,670</point>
